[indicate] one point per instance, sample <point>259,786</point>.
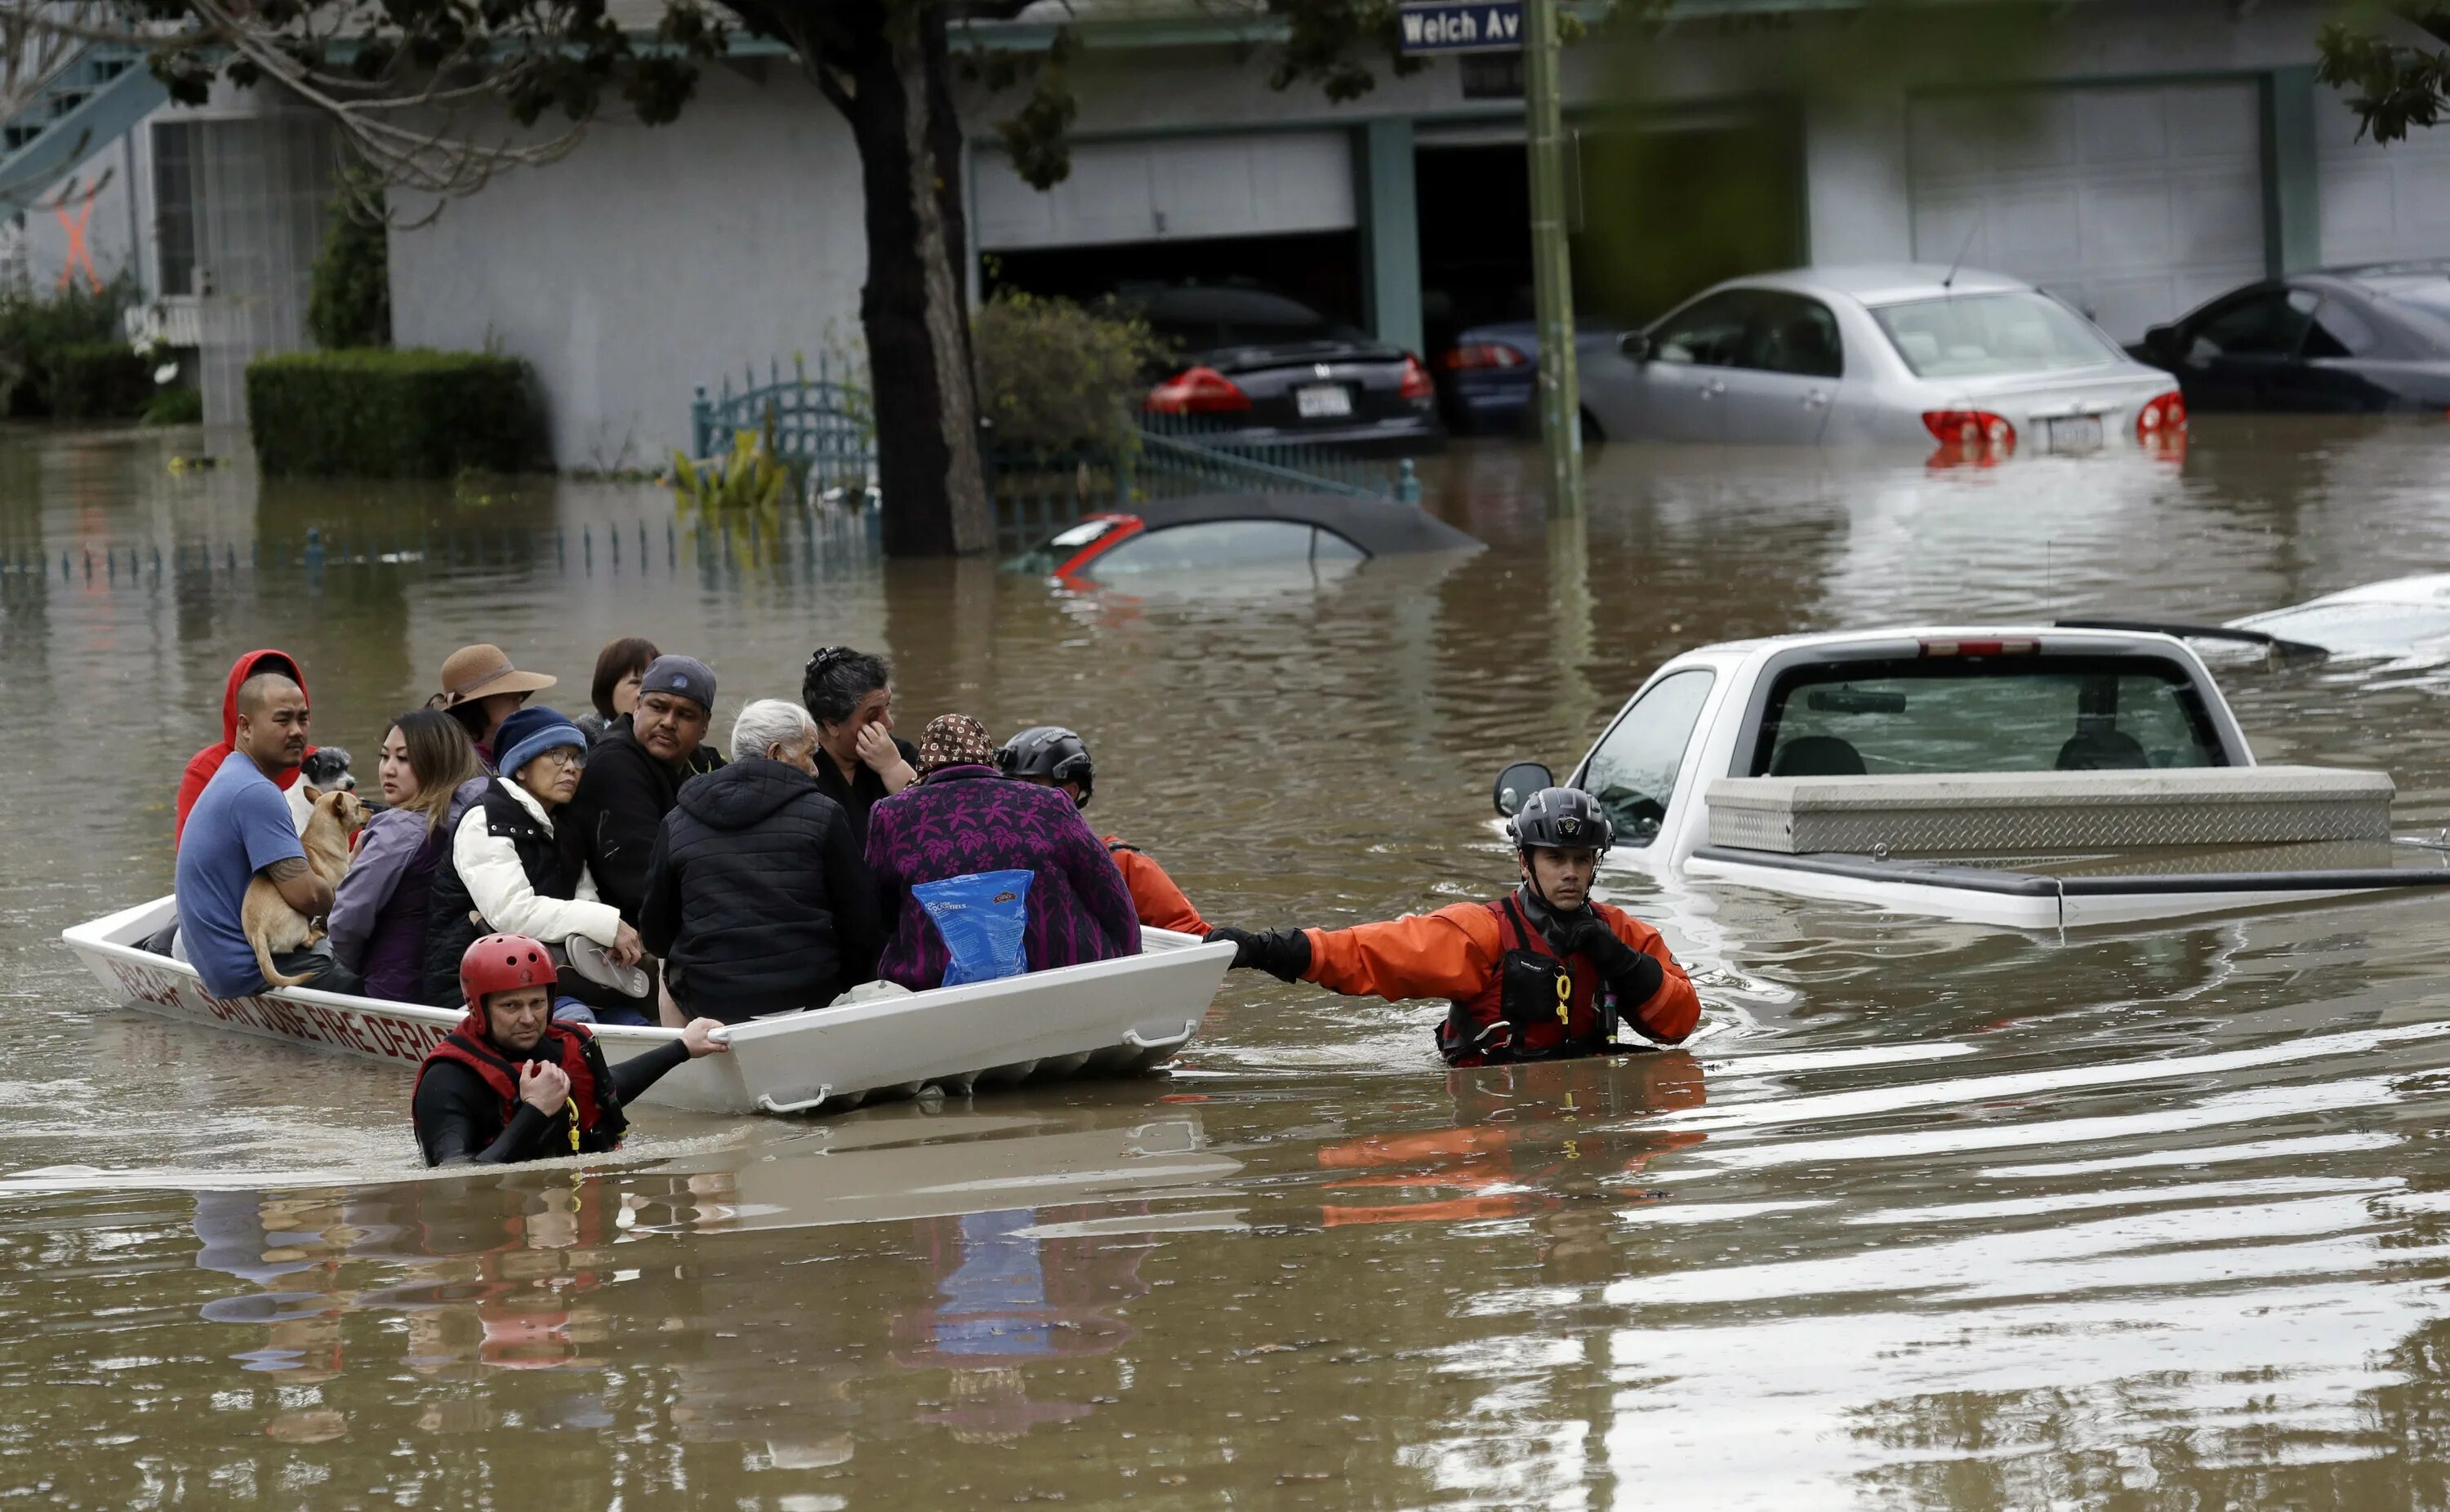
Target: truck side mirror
<point>1636,346</point>
<point>1518,782</point>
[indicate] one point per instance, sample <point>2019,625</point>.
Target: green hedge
<point>100,381</point>
<point>383,414</point>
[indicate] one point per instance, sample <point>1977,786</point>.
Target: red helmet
<point>503,963</point>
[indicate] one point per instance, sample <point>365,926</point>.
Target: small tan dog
<point>272,926</point>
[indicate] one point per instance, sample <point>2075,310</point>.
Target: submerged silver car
<point>1979,365</point>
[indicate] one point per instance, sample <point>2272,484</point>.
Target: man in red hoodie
<point>205,763</point>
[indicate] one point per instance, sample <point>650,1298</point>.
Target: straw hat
<point>480,671</point>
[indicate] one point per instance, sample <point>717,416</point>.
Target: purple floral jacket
<point>961,820</point>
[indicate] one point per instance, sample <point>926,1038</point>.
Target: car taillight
<point>1416,384</point>
<point>2020,646</point>
<point>1196,391</point>
<point>2163,414</point>
<point>1971,428</point>
<point>1481,355</point>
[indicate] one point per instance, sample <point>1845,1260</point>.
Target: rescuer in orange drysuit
<point>1541,974</point>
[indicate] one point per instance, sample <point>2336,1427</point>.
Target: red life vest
<point>591,1122</point>
<point>1548,1004</point>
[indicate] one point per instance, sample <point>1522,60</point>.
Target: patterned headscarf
<point>954,740</point>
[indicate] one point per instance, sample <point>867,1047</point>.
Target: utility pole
<point>1552,272</point>
<point>1530,28</point>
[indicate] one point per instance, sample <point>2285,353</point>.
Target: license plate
<point>2073,432</point>
<point>1323,401</point>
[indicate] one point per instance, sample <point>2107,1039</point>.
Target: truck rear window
<point>1983,715</point>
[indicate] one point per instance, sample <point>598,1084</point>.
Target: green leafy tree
<point>350,303</point>
<point>437,96</point>
<point>2393,62</point>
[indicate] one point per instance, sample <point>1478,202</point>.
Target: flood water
<point>1942,1217</point>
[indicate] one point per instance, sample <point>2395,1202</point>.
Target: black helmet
<point>1557,818</point>
<point>1052,752</point>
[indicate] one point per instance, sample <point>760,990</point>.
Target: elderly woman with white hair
<point>757,897</point>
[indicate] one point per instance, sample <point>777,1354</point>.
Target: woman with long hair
<point>379,911</point>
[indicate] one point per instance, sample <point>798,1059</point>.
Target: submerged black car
<point>1258,368</point>
<point>2365,339</point>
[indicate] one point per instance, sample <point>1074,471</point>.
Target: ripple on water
<point>1940,1216</point>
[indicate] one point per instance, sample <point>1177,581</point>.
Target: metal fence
<point>819,427</point>
<point>822,430</point>
<point>605,548</point>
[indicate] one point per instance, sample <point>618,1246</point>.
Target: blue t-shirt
<point>240,825</point>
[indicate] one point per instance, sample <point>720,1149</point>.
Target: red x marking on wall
<point>79,255</point>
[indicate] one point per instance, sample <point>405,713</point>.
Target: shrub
<point>381,414</point>
<point>350,303</point>
<point>36,331</point>
<point>181,405</point>
<point>1055,376</point>
<point>101,380</point>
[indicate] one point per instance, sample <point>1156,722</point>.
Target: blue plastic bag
<point>982,917</point>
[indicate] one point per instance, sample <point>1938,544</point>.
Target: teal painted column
<point>2293,207</point>
<point>1390,231</point>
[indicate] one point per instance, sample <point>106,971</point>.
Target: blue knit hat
<point>529,734</point>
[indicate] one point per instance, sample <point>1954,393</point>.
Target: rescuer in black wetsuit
<point>509,1084</point>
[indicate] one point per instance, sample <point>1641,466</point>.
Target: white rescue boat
<point>1106,1019</point>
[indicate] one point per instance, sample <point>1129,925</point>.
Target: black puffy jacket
<point>623,795</point>
<point>757,896</point>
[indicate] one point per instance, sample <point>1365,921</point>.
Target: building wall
<point>649,261</point>
<point>88,228</point>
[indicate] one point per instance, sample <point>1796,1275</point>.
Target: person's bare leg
<point>669,1011</point>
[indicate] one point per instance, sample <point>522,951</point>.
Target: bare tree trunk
<point>895,92</point>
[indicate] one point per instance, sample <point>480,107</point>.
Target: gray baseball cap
<point>684,676</point>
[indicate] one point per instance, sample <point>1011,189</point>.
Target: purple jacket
<point>378,921</point>
<point>966,819</point>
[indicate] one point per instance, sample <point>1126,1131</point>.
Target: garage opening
<point>1660,213</point>
<point>1321,269</point>
<point>1474,204</point>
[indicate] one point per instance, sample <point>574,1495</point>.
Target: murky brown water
<point>1946,1218</point>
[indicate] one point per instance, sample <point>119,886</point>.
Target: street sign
<point>1460,25</point>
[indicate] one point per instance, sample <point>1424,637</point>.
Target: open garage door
<point>2134,202</point>
<point>1663,208</point>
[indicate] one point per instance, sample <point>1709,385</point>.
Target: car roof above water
<point>1883,283</point>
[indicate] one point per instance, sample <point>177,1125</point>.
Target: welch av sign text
<point>1446,26</point>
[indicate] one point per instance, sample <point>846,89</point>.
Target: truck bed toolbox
<point>2009,813</point>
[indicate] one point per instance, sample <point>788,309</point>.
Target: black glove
<point>1283,954</point>
<point>1493,1045</point>
<point>1633,974</point>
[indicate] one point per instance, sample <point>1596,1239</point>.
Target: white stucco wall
<point>650,261</point>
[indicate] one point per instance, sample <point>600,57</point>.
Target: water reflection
<point>1943,1217</point>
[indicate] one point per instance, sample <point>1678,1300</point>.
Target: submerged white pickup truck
<point>2038,778</point>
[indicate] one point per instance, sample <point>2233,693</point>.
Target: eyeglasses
<point>563,756</point>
